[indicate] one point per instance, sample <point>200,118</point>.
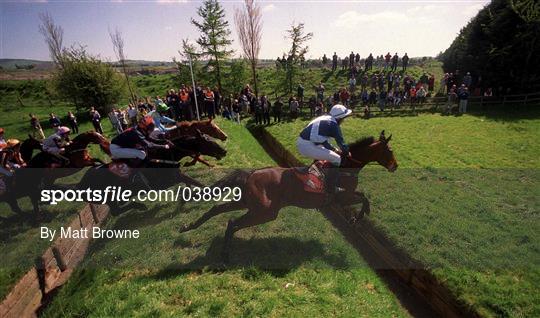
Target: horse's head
<point>211,129</point>
<point>371,150</point>
<point>384,154</point>
<point>208,147</point>
<point>92,137</point>
<point>28,146</point>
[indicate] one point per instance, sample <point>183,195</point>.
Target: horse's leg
<point>366,208</point>
<point>249,219</point>
<point>215,210</point>
<point>14,205</point>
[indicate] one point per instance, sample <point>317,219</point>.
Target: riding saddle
<point>313,176</point>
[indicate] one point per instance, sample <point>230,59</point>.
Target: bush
<point>86,81</point>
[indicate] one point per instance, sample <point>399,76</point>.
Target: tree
<point>214,38</point>
<point>118,47</point>
<point>87,81</point>
<point>501,45</point>
<point>54,36</point>
<point>297,53</point>
<point>249,27</point>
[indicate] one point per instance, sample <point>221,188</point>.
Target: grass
<point>297,265</point>
<point>464,201</point>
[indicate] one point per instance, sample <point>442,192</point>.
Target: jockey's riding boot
<point>332,182</point>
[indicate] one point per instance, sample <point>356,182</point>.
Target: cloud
<point>354,19</point>
<point>269,7</point>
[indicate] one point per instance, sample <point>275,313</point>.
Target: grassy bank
<point>464,201</point>
<point>297,265</point>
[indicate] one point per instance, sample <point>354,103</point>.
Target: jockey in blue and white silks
<point>313,141</point>
<point>160,119</point>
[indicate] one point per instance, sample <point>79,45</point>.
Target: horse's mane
<point>186,124</point>
<point>362,142</point>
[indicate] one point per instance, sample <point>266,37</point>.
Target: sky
<point>153,30</point>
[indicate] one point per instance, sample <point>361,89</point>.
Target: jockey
<point>313,142</point>
<point>55,144</point>
<point>11,157</point>
<point>160,119</point>
<point>134,141</point>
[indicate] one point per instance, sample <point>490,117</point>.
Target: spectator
<point>372,98</point>
<point>96,120</point>
<point>334,62</point>
<point>431,83</point>
<point>132,115</point>
<point>266,106</point>
<point>369,62</point>
<point>421,95</point>
<point>113,117</point>
<point>352,84</point>
<point>300,94</point>
<point>236,110</point>
<point>320,92</point>
<point>395,59</point>
<point>467,79</point>
<point>367,112</point>
<point>319,109</point>
<point>185,105</point>
<point>209,102</point>
<point>405,62</point>
<point>357,58</point>
<point>257,107</point>
<point>324,60</point>
<point>293,107</point>
<point>344,96</point>
<point>54,121</point>
<point>72,121</point>
<point>452,98</point>
<point>3,143</point>
<point>37,131</point>
<point>217,100</point>
<point>488,92</point>
<point>277,109</point>
<point>463,97</point>
<point>122,119</point>
<point>351,60</point>
<point>412,96</point>
<point>387,58</point>
<point>382,100</point>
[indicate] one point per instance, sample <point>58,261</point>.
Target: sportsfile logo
<point>118,194</point>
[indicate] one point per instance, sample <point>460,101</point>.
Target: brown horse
<point>76,152</point>
<point>190,128</point>
<point>265,191</point>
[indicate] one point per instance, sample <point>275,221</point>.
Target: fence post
<point>504,100</point>
<point>525,100</point>
<point>481,101</point>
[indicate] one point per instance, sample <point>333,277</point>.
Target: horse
<point>266,191</point>
<point>189,128</point>
<point>76,152</point>
<point>42,169</point>
<point>160,171</point>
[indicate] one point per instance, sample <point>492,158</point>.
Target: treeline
<point>500,47</point>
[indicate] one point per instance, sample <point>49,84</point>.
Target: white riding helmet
<point>340,111</point>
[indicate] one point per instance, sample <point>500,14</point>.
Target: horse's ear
<point>381,137</point>
<point>388,139</point>
<point>210,120</point>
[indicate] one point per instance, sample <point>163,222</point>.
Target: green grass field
<point>298,265</point>
<point>464,201</point>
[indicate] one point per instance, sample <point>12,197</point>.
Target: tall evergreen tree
<point>215,33</point>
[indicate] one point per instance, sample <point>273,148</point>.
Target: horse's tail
<point>236,179</point>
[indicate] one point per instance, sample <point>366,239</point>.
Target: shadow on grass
<point>508,115</point>
<point>276,256</point>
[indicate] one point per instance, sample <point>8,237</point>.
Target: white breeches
<point>318,152</point>
<point>118,152</point>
